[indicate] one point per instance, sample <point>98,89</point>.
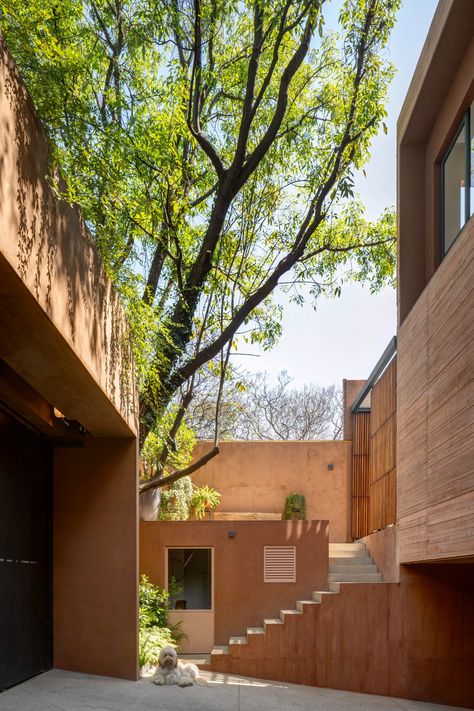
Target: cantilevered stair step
<point>255,630</point>
<point>272,621</point>
<point>289,613</point>
<point>300,604</point>
<point>219,650</point>
<point>238,640</point>
<point>320,595</point>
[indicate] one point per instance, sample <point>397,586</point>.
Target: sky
<point>345,336</point>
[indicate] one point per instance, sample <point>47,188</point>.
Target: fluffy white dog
<point>171,671</point>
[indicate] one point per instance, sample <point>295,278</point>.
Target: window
<point>457,182</point>
<point>191,571</point>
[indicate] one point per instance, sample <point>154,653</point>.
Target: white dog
<point>171,671</point>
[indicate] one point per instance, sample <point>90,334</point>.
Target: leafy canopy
<point>211,145</point>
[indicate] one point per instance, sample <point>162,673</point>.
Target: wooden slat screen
<point>373,458</point>
<point>360,474</point>
<point>382,490</point>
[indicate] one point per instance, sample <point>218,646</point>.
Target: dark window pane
<point>455,190</point>
<point>191,569</point>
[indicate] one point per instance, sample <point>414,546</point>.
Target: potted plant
<point>295,507</point>
<point>204,500</point>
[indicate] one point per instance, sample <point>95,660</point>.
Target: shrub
<point>151,641</point>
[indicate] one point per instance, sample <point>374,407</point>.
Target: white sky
<point>345,337</point>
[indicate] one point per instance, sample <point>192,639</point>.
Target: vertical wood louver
<point>279,564</point>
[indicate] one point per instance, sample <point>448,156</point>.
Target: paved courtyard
<point>67,691</point>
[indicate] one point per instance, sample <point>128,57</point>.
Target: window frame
<point>464,125</point>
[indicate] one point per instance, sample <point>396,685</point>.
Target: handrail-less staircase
<point>348,563</point>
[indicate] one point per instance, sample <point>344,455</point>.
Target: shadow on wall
<point>47,242</point>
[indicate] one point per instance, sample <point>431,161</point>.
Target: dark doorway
<point>25,552</point>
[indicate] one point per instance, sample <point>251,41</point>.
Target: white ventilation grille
<point>279,564</point>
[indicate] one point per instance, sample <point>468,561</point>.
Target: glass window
<point>458,181</point>
<point>471,121</point>
<point>190,570</point>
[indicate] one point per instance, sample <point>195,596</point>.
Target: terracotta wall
<point>412,640</point>
<point>350,390</point>
<point>241,598</point>
<point>383,547</point>
<point>95,558</point>
<point>257,476</point>
<point>54,284</point>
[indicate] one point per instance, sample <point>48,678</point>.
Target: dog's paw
<point>186,682</point>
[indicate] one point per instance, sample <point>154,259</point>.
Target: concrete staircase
<point>349,563</point>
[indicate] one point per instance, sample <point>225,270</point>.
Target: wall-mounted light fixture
<point>231,534</point>
<point>330,467</point>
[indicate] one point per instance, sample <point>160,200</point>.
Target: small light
<point>330,467</point>
<point>230,534</point>
<point>58,413</point>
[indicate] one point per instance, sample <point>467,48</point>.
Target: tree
<point>253,408</point>
<point>211,145</point>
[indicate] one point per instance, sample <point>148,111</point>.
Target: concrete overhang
<point>35,349</point>
<point>62,326</point>
<point>451,32</point>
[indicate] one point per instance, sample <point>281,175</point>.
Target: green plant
<point>154,604</point>
<point>151,641</point>
<point>204,498</point>
<point>175,500</point>
<point>295,507</point>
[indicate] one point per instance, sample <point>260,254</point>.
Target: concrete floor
<point>67,691</point>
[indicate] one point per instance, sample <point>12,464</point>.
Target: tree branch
<point>159,481</point>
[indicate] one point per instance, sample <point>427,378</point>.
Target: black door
<point>25,552</point>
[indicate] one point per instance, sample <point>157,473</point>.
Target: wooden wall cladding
<point>360,474</point>
<point>383,436</point>
<point>374,458</point>
<point>435,419</point>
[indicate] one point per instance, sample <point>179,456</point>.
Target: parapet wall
<point>48,261</point>
<point>258,476</point>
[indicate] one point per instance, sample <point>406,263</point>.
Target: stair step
<point>288,613</point>
<point>301,603</point>
<point>346,547</point>
<point>255,630</point>
<point>348,554</point>
<point>355,578</point>
<point>272,621</point>
<point>354,569</point>
<point>238,640</point>
<point>220,649</point>
<point>357,560</point>
<point>319,595</point>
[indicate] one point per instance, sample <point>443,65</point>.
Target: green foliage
<point>150,642</point>
<point>209,174</point>
<point>176,500</point>
<point>154,630</point>
<point>295,507</point>
<point>153,604</point>
<point>204,498</point>
<point>180,450</point>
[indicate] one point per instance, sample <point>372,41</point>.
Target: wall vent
<point>279,564</point>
